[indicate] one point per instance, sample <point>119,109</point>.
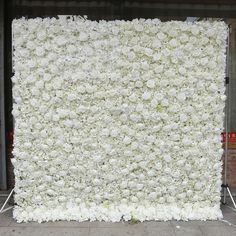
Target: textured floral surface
<point>117,120</point>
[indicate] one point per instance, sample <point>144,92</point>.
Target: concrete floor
<point>225,227</point>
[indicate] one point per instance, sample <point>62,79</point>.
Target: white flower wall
<point>117,120</point>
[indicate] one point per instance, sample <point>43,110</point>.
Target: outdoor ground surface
<point>225,227</point>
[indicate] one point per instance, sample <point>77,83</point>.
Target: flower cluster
<point>117,120</point>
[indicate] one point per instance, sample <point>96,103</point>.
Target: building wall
<point>231,168</point>
<point>3,184</point>
<point>231,115</point>
<point>232,75</point>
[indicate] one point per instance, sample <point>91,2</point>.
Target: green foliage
<point>133,221</point>
<point>159,107</point>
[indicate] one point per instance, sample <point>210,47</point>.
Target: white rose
<point>139,84</point>
<point>173,43</point>
<point>151,83</point>
<point>127,140</point>
<point>138,27</point>
<point>146,96</point>
<point>39,51</point>
<point>139,107</point>
<point>61,40</point>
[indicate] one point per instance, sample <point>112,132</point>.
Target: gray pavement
<point>225,227</point>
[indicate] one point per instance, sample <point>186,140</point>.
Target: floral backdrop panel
<point>117,120</point>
